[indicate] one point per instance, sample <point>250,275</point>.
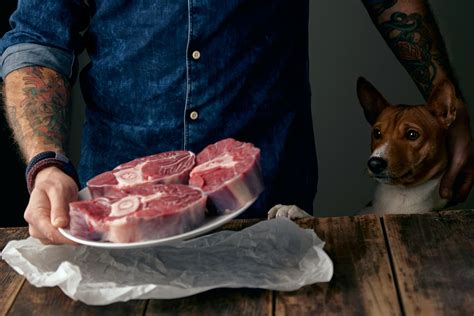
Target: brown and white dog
<point>409,152</point>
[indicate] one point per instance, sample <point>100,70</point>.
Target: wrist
<point>45,160</point>
<point>36,151</point>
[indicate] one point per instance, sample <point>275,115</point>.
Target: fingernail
<point>59,221</point>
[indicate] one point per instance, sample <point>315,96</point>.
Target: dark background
<point>14,195</point>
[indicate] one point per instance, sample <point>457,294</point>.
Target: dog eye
<point>377,133</point>
<point>412,134</point>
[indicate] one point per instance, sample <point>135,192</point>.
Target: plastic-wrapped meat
<point>144,212</point>
<point>229,173</point>
<point>165,168</point>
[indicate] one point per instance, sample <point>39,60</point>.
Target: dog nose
<point>377,164</point>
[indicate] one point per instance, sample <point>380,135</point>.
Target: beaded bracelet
<point>49,159</point>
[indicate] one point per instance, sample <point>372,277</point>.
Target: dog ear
<point>370,99</point>
<point>442,103</point>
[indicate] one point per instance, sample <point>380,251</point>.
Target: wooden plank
<point>433,256</point>
<point>46,301</point>
<point>362,283</point>
<point>52,301</point>
<point>238,224</point>
<point>216,302</point>
<point>10,281</point>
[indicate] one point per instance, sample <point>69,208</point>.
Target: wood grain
<point>10,281</point>
<point>216,302</point>
<point>52,301</point>
<point>433,257</point>
<point>238,224</point>
<point>362,283</point>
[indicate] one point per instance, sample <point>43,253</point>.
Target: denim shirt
<point>182,74</point>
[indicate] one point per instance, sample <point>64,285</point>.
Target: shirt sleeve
<point>45,33</point>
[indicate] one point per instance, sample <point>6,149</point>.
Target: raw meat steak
<point>168,167</point>
<point>229,172</point>
<point>144,212</point>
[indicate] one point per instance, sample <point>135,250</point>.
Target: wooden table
<point>399,264</point>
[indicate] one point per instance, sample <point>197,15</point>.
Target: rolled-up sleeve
<point>44,33</point>
<point>22,55</point>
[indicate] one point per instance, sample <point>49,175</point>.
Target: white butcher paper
<point>274,254</point>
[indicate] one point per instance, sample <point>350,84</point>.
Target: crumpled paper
<point>274,255</point>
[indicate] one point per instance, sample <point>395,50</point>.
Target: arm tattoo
<point>409,38</point>
<point>45,105</point>
<point>412,33</point>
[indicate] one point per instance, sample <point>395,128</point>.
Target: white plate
<point>210,223</point>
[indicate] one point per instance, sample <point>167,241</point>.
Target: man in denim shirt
<point>175,74</point>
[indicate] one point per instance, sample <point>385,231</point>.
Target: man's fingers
<point>48,208</point>
<point>38,201</point>
<point>37,214</point>
<point>36,234</point>
<point>49,232</point>
<point>59,208</point>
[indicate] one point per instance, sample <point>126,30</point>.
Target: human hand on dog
<point>459,177</point>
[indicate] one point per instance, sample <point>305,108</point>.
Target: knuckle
<point>27,215</point>
<point>49,235</point>
<point>32,232</point>
<point>45,241</point>
<point>64,189</point>
<point>51,186</point>
<point>57,187</point>
<point>43,184</point>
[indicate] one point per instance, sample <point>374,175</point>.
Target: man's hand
<point>459,177</point>
<point>48,208</point>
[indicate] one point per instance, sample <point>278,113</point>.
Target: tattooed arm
<point>409,28</point>
<point>411,32</point>
<point>36,104</point>
<point>37,100</point>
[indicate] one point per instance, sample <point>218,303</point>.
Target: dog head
<point>408,141</point>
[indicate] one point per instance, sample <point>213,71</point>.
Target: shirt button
<point>193,115</point>
<point>196,55</point>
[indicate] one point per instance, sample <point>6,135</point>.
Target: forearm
<point>36,105</point>
<point>410,30</point>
